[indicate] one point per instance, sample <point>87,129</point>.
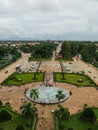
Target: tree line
<point>88,50</point>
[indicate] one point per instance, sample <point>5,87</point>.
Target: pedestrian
<point>40,124</point>
<point>42,116</point>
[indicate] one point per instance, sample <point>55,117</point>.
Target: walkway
<point>47,122</point>
<point>45,119</point>
<point>11,67</point>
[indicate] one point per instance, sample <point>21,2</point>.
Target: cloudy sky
<point>49,19</point>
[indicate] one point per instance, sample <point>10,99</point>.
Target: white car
<point>33,67</point>
<point>67,69</point>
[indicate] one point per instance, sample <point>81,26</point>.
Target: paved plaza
<point>80,95</point>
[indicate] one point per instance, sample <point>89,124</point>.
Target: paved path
<point>14,94</point>
<point>11,67</point>
<point>47,123</point>
<point>45,119</point>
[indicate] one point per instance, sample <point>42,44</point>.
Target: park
<point>49,94</point>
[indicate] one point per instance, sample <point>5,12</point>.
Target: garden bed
<point>75,79</point>
<point>16,121</point>
<point>23,78</point>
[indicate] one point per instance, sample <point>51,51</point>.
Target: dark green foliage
<point>43,50</point>
<point>66,50</point>
<point>63,76</point>
<point>61,127</point>
<point>20,127</point>
<point>5,116</point>
<point>60,95</point>
<point>8,54</point>
<point>1,128</point>
<point>88,52</point>
<point>29,110</point>
<point>70,128</point>
<point>88,115</point>
<point>34,93</point>
<point>27,48</point>
<point>90,129</point>
<point>62,113</point>
<point>96,56</point>
<point>1,103</point>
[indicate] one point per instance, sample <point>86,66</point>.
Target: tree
<point>90,128</point>
<point>74,48</point>
<point>88,115</point>
<point>1,128</point>
<point>70,128</point>
<point>96,56</point>
<point>1,103</point>
<point>29,110</point>
<point>63,75</point>
<point>34,93</point>
<point>66,50</point>
<point>62,113</point>
<point>34,76</point>
<point>60,95</point>
<point>5,116</point>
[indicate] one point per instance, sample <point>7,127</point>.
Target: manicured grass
<point>96,111</point>
<point>75,123</point>
<point>22,78</point>
<point>17,120</point>
<point>73,79</point>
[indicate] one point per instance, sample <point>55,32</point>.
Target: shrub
<point>88,115</point>
<point>90,129</point>
<point>61,127</point>
<point>80,80</point>
<point>5,116</point>
<point>20,127</point>
<point>70,128</point>
<point>1,128</point>
<point>1,103</point>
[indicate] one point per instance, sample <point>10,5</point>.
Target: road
<point>85,95</point>
<point>11,68</point>
<point>79,65</point>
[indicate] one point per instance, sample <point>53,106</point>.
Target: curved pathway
<point>80,95</point>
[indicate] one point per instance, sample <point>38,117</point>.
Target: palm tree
<point>34,93</point>
<point>62,113</point>
<point>63,76</point>
<point>29,110</point>
<point>60,95</point>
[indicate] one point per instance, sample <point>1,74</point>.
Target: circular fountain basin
<point>47,95</point>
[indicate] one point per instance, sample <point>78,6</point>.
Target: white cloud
<point>56,19</point>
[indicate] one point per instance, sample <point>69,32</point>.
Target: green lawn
<point>17,120</point>
<point>73,79</point>
<point>76,124</point>
<point>22,78</point>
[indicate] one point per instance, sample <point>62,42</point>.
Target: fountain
<point>47,95</point>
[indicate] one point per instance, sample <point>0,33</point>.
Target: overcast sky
<point>49,19</point>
